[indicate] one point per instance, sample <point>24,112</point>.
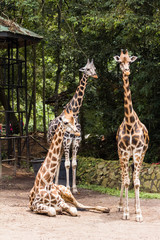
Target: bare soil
<point>18,222</point>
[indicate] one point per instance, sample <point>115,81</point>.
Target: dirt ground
<point>18,222</point>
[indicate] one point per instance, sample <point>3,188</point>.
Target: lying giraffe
<point>132,140</point>
<point>47,197</point>
<point>70,139</point>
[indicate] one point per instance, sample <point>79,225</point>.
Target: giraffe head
<point>89,69</point>
<point>68,122</point>
<point>124,59</point>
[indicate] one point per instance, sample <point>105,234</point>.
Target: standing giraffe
<point>74,105</point>
<point>46,197</point>
<point>132,139</point>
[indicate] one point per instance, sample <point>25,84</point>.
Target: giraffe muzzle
<point>127,72</point>
<point>77,134</point>
<point>95,76</point>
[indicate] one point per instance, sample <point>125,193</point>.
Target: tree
<point>76,30</point>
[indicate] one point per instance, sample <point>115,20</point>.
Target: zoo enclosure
<point>13,91</point>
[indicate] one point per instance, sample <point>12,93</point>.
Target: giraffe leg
<point>137,165</point>
<point>66,208</point>
<point>75,146</point>
<point>43,209</point>
<point>57,173</point>
<point>68,197</point>
<point>67,144</point>
<point>50,203</point>
<point>39,207</point>
<point>125,184</point>
<point>58,167</point>
<point>62,198</point>
<point>126,208</point>
<point>120,206</point>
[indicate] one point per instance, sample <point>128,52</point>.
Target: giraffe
<point>45,196</point>
<point>132,140</point>
<point>74,104</point>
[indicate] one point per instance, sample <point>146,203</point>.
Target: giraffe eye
<point>65,123</point>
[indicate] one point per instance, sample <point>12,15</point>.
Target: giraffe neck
<point>76,101</point>
<point>47,171</point>
<point>128,106</point>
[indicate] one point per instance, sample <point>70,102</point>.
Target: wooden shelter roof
<point>10,31</point>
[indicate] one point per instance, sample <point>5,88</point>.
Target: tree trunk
<point>30,107</point>
<point>59,69</point>
<point>44,78</point>
<point>34,89</point>
<point>44,83</point>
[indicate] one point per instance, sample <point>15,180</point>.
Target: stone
<point>112,184</point>
<point>143,173</point>
<point>99,172</point>
<point>147,176</point>
<point>154,189</point>
<point>104,182</point>
<point>112,175</point>
<point>158,175</point>
<point>158,185</point>
<point>150,170</point>
<point>155,182</point>
<point>153,176</point>
<point>101,165</point>
<point>117,175</point>
<point>147,185</point>
<point>105,170</point>
<point>107,173</point>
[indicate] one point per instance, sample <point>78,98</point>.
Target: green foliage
<point>98,30</point>
<point>115,192</point>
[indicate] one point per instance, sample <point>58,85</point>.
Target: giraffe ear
<point>133,58</point>
<point>82,69</point>
<point>117,58</point>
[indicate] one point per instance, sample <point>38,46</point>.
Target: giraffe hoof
<point>120,208</point>
<point>125,216</point>
<point>51,212</point>
<point>73,211</point>
<point>105,210</point>
<point>74,190</point>
<point>139,218</point>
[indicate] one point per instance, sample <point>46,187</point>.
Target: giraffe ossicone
<point>74,104</point>
<point>45,196</point>
<point>132,140</point>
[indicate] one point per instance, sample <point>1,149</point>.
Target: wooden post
<point>0,161</point>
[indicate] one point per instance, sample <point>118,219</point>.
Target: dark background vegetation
<point>76,30</point>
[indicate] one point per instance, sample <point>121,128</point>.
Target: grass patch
<point>115,192</point>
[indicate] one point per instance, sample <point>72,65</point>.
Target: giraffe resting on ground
<point>132,139</point>
<point>74,105</point>
<point>47,197</point>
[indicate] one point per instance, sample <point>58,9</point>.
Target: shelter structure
<point>13,91</point>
